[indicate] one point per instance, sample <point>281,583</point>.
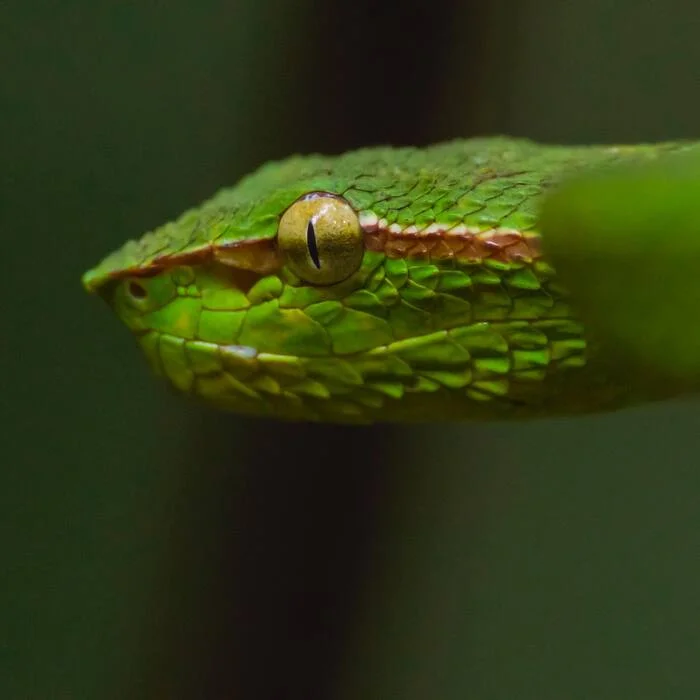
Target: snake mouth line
<point>239,377</point>
<point>489,364</point>
<point>230,356</point>
<point>236,375</point>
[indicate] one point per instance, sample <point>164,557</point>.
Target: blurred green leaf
<point>627,244</point>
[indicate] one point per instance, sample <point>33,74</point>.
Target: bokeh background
<point>152,548</point>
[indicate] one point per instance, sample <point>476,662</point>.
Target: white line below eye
<point>245,352</point>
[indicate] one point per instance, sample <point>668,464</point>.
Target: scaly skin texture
<point>453,313</point>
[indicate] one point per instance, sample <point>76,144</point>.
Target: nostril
<point>138,291</point>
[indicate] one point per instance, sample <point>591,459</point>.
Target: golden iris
<point>321,238</point>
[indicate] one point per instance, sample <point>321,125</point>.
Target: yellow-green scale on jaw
<point>383,284</point>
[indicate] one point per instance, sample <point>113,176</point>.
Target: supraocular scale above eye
<point>320,238</point>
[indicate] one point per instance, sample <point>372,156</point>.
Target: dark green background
<point>154,548</point>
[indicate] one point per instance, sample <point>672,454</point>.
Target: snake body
<point>383,284</point>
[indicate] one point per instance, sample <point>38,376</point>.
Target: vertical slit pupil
<point>311,244</point>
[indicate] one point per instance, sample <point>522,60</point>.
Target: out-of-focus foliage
<point>627,241</point>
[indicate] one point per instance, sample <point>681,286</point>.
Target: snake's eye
<point>321,239</point>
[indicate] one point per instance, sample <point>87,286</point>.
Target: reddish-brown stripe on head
<point>258,256</point>
<point>473,245</point>
<point>262,256</point>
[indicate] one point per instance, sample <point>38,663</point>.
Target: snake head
<point>385,284</point>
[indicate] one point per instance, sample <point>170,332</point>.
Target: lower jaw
<point>243,380</point>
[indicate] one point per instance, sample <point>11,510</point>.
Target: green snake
<point>385,284</point>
